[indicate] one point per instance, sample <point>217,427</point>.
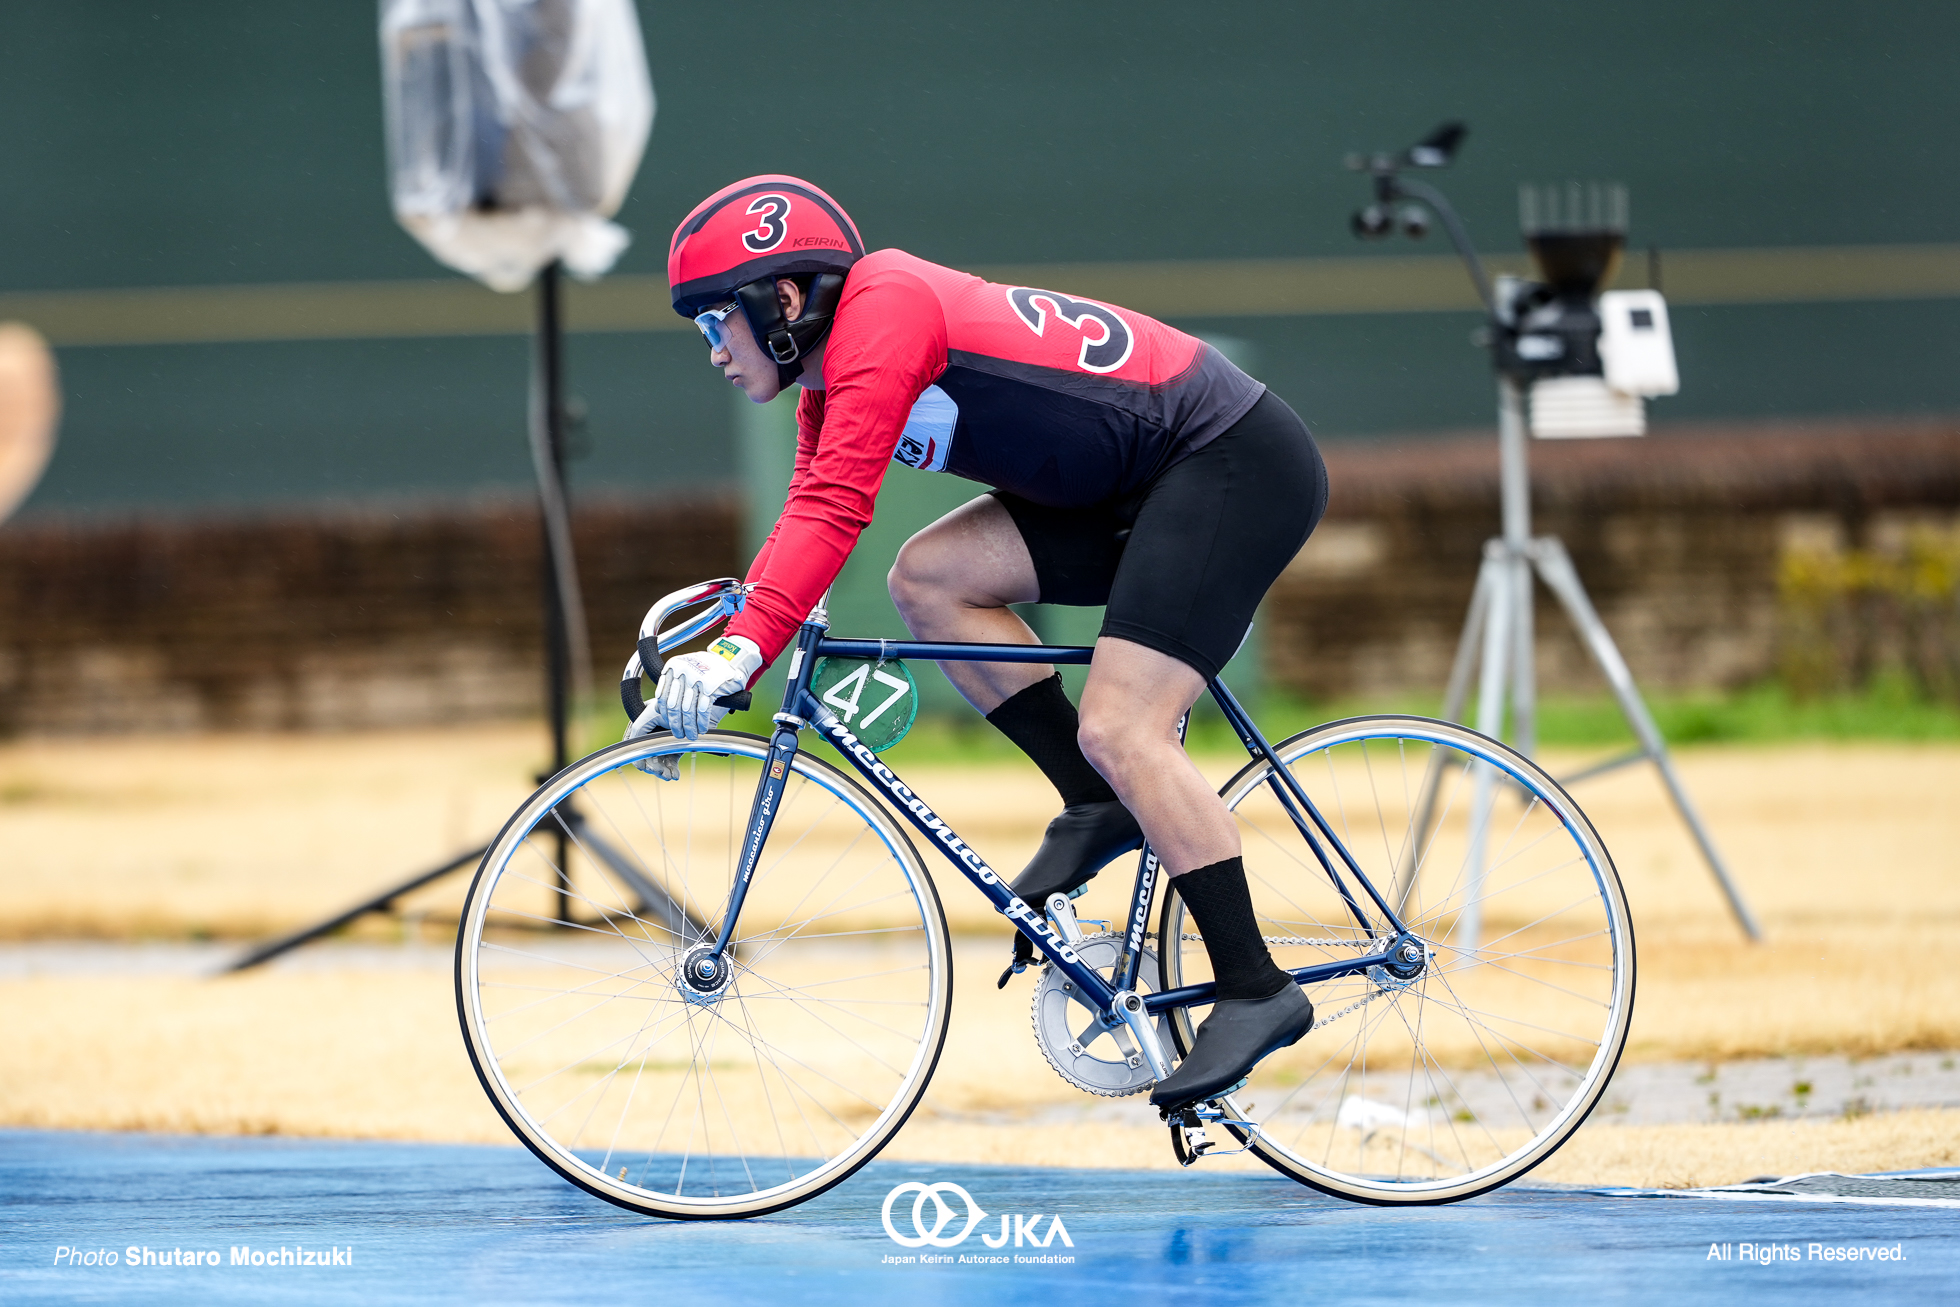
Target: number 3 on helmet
<point>740,240</point>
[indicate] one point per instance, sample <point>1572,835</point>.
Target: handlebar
<point>727,594</point>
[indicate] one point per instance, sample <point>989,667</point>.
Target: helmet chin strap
<point>789,342</point>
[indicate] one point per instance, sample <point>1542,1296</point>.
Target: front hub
<point>704,975</point>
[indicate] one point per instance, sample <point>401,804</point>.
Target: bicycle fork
<point>705,967</point>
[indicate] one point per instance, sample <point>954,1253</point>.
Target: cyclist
<point>1133,467</point>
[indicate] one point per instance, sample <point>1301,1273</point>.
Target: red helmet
<point>738,241</point>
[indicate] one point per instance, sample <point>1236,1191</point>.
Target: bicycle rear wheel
<point>1441,1086</point>
<point>643,1090</point>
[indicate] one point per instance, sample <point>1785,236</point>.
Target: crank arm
<point>1129,1007</point>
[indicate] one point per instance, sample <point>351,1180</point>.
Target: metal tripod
<point>567,665</point>
<point>1498,634</point>
<point>1497,644</point>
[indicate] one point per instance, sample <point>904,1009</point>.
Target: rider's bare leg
<point>954,581</point>
<point>1130,710</point>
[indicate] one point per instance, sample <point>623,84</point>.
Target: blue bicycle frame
<point>801,710</point>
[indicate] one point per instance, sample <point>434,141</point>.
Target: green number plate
<point>878,701</point>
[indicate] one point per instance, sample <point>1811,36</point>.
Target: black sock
<point>1042,723</point>
<point>1221,904</point>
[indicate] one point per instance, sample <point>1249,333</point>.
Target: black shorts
<point>1182,563</point>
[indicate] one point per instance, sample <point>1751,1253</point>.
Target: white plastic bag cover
<point>514,130</point>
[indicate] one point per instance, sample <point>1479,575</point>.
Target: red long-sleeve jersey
<point>1060,400</point>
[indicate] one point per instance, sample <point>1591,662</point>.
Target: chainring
<point>1089,1055</point>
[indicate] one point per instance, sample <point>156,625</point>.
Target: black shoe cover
<point>1076,846</point>
<point>1230,1043</point>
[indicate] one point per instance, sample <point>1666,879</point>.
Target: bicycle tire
<point>1446,1086</point>
<point>745,1102</point>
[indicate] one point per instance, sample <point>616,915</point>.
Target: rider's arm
<point>889,344</point>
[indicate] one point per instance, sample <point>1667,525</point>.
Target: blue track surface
<point>444,1223</point>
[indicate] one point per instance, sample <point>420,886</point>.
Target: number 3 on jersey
<point>1106,338</point>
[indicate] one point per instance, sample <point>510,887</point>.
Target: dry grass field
<point>1848,854</point>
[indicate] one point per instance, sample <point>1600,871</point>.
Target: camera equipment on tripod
<point>1589,356</point>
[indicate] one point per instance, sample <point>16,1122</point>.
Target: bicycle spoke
<point>842,1006</point>
<point>1475,1067</point>
<point>772,1087</point>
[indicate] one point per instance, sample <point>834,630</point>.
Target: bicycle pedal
<point>1189,1142</point>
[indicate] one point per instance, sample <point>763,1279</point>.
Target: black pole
<point>548,409</point>
<point>550,401</point>
<point>381,902</point>
<point>548,454</point>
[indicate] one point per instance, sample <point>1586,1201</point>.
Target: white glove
<point>667,766</point>
<point>684,701</point>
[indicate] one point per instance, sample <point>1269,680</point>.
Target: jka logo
<point>947,1226</point>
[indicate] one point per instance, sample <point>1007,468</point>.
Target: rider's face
<point>744,362</point>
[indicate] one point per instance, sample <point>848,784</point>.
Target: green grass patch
<point>1760,714</point>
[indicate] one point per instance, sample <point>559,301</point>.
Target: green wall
<point>220,142</point>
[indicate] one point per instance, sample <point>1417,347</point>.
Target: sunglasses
<point>714,324</point>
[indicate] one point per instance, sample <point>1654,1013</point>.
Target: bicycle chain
<point>1361,1002</point>
<point>1189,938</point>
<point>1325,1021</point>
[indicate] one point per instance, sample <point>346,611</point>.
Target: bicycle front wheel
<point>1441,1084</point>
<point>647,1091</point>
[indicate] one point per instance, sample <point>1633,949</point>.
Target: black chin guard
<point>788,342</point>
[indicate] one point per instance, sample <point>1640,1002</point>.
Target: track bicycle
<point>712,978</point>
